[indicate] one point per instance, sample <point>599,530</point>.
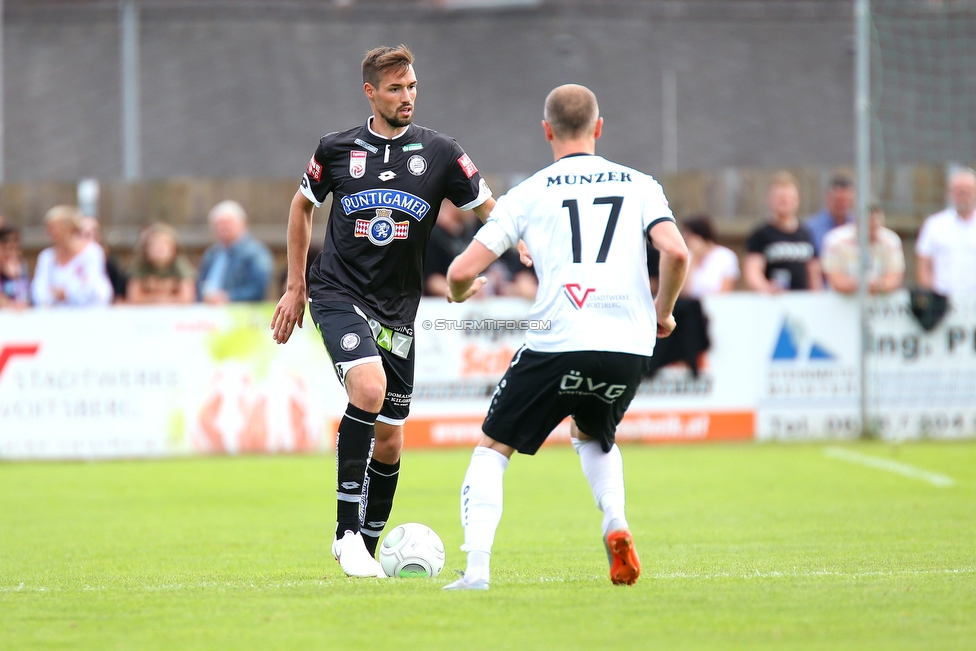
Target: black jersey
<point>385,198</point>
<point>787,255</point>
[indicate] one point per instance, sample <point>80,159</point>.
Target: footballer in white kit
<point>585,220</point>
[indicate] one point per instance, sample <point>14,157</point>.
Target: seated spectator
<point>714,268</point>
<point>838,210</point>
<point>160,273</point>
<point>236,267</point>
<point>946,246</point>
<point>72,270</point>
<point>14,280</point>
<point>780,254</point>
<point>92,230</point>
<point>842,257</point>
<point>451,234</point>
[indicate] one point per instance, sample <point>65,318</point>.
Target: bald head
<point>962,190</point>
<point>571,111</point>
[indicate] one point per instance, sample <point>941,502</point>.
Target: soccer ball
<point>412,550</point>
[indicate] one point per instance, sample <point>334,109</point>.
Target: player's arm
<point>463,276</point>
<point>290,310</point>
<point>674,267</point>
<point>484,209</point>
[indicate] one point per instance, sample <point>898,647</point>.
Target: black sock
<point>354,443</point>
<point>381,483</point>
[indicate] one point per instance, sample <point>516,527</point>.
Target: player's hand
<point>289,312</point>
<point>478,283</point>
<point>665,326</point>
<point>524,256</point>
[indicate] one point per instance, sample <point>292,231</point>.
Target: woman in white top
<point>714,268</point>
<point>72,270</point>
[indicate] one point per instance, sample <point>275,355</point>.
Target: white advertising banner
<point>464,350</point>
<point>922,384</point>
<point>152,381</point>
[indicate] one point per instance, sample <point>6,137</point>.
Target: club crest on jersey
<point>381,229</point>
<point>349,341</point>
<point>576,294</point>
<point>357,164</point>
<point>417,165</point>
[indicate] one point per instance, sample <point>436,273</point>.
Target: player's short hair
<point>571,110</point>
<point>783,177</point>
<point>228,207</point>
<point>70,215</point>
<point>379,60</point>
<point>701,225</point>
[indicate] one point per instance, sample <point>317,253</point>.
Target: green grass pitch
<point>743,547</point>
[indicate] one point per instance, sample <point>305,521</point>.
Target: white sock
<point>481,508</point>
<point>605,473</point>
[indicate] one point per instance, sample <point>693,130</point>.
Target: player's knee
<point>367,394</point>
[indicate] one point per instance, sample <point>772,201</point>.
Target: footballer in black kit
<point>385,199</point>
<point>387,179</point>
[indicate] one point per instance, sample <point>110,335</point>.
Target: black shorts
<point>540,389</point>
<point>352,338</point>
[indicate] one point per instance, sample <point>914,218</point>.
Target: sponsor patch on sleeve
<point>314,170</point>
<point>466,165</point>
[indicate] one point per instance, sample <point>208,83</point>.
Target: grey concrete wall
<point>246,89</point>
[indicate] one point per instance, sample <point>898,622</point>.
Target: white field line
<point>934,478</point>
<point>518,580</point>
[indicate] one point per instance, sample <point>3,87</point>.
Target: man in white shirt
<point>945,250</point>
<point>584,220</point>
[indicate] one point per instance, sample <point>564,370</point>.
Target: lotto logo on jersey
<point>357,164</point>
<point>576,294</point>
<point>314,170</point>
<point>466,165</point>
<point>381,229</point>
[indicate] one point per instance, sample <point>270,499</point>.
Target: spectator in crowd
<point>451,234</point>
<point>72,270</point>
<point>945,251</point>
<point>14,280</point>
<point>236,267</point>
<point>838,210</point>
<point>714,268</point>
<point>160,272</point>
<point>780,254</point>
<point>841,258</point>
<point>91,230</point>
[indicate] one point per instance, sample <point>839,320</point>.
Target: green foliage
<point>749,546</point>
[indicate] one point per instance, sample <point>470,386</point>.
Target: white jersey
<point>585,219</point>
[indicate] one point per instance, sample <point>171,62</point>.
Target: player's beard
<point>396,121</point>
